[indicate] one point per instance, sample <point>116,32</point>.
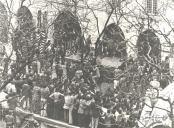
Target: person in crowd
<point>50,102</point>
<point>47,75</point>
<point>116,83</point>
<point>44,96</point>
<point>9,119</point>
<point>76,100</point>
<point>163,81</point>
<point>155,72</point>
<point>10,88</point>
<point>125,117</point>
<point>155,83</point>
<point>152,92</point>
<point>59,71</point>
<point>108,119</point>
<point>165,66</point>
<point>75,108</point>
<point>87,71</point>
<point>78,79</point>
<point>11,95</point>
<point>140,69</point>
<point>60,54</point>
<point>71,107</point>
<point>19,83</point>
<point>36,98</point>
<point>88,45</point>
<point>12,101</point>
<point>26,92</point>
<point>88,100</point>
<point>78,43</point>
<point>82,106</point>
<point>66,84</point>
<point>67,104</point>
<point>96,74</point>
<point>71,69</point>
<point>95,113</point>
<point>58,97</point>
<point>63,53</point>
<point>78,76</point>
<point>117,115</point>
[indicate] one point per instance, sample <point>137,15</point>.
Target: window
<point>151,6</point>
<point>154,6</point>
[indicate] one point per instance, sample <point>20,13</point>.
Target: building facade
<point>132,16</point>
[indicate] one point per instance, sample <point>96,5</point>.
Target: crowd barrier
<point>47,121</point>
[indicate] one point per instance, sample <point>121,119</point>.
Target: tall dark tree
<point>24,43</point>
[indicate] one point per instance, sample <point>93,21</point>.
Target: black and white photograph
<point>86,63</point>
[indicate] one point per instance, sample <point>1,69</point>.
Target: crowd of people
<point>74,95</point>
